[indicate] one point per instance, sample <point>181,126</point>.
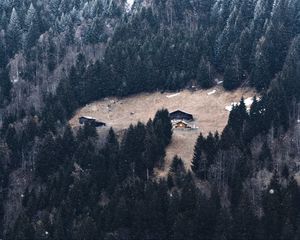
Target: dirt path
<point>207,108</point>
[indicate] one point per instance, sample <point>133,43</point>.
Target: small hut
<point>85,120</point>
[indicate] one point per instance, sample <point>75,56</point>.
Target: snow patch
<point>129,4</point>
<point>212,92</point>
<point>218,82</point>
<point>173,95</point>
<point>248,102</point>
<point>229,107</point>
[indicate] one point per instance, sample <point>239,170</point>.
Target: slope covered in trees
<point>58,55</point>
<point>165,44</point>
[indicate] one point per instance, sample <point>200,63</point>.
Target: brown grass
<point>208,110</point>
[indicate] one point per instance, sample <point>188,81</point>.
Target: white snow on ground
<point>129,4</point>
<point>229,107</point>
<point>248,102</point>
<point>173,95</point>
<point>212,92</point>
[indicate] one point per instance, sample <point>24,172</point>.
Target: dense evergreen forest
<point>57,183</point>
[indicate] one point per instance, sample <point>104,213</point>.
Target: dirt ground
<point>207,107</point>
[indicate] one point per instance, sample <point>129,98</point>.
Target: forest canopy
<point>60,183</point>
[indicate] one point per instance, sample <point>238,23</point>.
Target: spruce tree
<point>291,74</point>
<point>265,159</point>
<point>197,160</point>
<point>233,74</point>
<point>163,126</point>
<point>272,206</point>
<point>244,224</point>
<point>5,84</point>
<point>32,26</point>
<point>151,155</point>
<point>290,204</point>
<point>47,159</point>
<point>204,74</point>
<point>14,33</point>
<point>31,16</point>
<point>261,76</point>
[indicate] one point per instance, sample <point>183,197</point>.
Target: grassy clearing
<point>207,106</point>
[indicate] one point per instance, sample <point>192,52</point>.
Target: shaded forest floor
<point>207,107</point>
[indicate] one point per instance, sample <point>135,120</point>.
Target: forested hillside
<point>58,183</point>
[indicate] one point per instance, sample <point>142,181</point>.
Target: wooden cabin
<point>85,120</point>
<point>181,125</point>
<point>180,115</point>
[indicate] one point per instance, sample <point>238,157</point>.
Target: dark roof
<point>182,114</point>
<point>179,111</point>
<point>91,121</point>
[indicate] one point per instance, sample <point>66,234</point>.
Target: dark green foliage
<point>14,32</point>
<point>90,186</point>
<point>265,158</point>
<point>108,190</point>
<point>223,228</point>
<point>5,82</point>
<point>24,229</point>
<point>273,213</point>
<point>232,74</point>
<point>204,74</point>
<point>177,166</point>
<point>238,118</point>
<point>196,163</point>
<point>163,126</point>
<point>261,75</point>
<point>290,74</point>
<point>244,223</point>
<point>47,158</point>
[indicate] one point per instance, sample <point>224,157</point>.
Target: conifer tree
<point>151,155</point>
<point>291,73</point>
<point>244,224</point>
<point>290,205</point>
<point>261,75</point>
<point>272,206</point>
<point>47,159</point>
<point>163,126</point>
<point>31,16</point>
<point>3,20</point>
<point>204,74</point>
<point>5,82</point>
<point>232,74</point>
<point>223,228</point>
<point>14,33</point>
<point>265,159</point>
<point>32,27</point>
<point>197,160</point>
<point>177,170</point>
